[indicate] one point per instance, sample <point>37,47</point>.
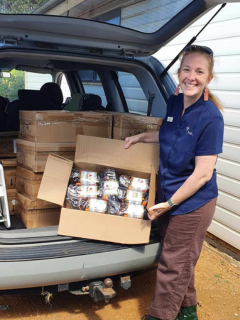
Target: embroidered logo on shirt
<point>189,132</point>
<point>170,119</point>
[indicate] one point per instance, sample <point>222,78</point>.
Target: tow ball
<point>100,291</point>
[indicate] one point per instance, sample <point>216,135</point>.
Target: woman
<point>190,139</point>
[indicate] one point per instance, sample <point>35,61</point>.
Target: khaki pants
<point>182,239</point>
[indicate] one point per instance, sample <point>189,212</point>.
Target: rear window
<point>133,93</point>
<point>146,16</point>
<point>92,84</point>
<point>22,80</point>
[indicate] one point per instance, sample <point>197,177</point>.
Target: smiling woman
<point>190,139</point>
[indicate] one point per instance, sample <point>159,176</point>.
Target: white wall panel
<point>226,81</point>
<point>231,11</point>
<point>228,185</point>
<point>228,29</point>
<point>228,202</point>
<point>226,234</point>
<point>220,47</point>
<point>227,218</point>
<point>232,134</point>
<point>230,99</point>
<point>228,168</point>
<point>232,117</point>
<point>231,152</point>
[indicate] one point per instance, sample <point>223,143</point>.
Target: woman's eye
<point>199,71</point>
<point>185,69</point>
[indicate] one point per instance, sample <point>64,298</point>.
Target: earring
<point>205,94</point>
<point>176,93</point>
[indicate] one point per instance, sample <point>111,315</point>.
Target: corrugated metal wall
<point>223,36</point>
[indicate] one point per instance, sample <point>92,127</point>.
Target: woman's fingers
<point>129,142</point>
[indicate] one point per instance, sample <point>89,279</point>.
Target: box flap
<point>139,157</point>
<point>55,179</point>
<point>103,227</point>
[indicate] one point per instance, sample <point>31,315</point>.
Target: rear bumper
<point>37,273</point>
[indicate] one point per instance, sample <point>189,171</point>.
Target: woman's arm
<point>148,137</point>
<point>202,173</point>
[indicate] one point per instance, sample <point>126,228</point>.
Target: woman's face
<point>194,75</point>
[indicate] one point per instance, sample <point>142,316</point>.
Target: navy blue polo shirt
<point>198,132</point>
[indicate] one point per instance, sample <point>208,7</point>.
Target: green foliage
<point>20,6</point>
<point>9,86</point>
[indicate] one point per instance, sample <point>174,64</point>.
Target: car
<point>115,63</point>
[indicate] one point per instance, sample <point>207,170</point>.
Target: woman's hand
<point>132,140</point>
<point>148,137</point>
<point>155,211</point>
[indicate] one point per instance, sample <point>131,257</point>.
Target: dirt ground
<point>217,282</point>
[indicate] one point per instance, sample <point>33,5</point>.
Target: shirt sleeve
<point>211,139</point>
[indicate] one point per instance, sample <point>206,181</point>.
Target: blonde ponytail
<point>215,100</point>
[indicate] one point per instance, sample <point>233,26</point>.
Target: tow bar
<point>100,291</point>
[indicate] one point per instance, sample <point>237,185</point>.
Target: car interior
<point>94,84</point>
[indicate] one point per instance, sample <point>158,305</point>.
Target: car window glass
<point>134,95</point>
<point>146,16</point>
<point>22,80</point>
<point>35,81</point>
<point>92,84</point>
<point>65,88</point>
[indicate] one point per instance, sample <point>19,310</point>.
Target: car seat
<point>74,103</point>
<point>3,104</point>
<point>90,102</point>
<point>30,100</point>
<point>54,93</point>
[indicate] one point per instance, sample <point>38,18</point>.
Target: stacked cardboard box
<point>8,144</point>
<point>9,167</point>
<point>43,133</point>
<point>127,125</point>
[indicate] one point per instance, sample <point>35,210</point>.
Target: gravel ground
<point>217,282</point>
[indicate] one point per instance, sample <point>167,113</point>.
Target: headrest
<point>54,92</point>
<point>32,95</point>
<point>90,101</point>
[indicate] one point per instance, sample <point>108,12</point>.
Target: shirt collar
<point>195,104</point>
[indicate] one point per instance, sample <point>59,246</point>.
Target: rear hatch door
<point>102,26</point>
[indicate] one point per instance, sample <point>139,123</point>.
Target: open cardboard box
<point>98,154</point>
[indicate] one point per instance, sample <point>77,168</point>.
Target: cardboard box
<point>9,167</point>
<point>63,126</point>
<point>93,153</point>
<point>9,162</point>
<point>37,204</point>
<point>8,144</point>
<point>28,182</point>
<point>10,177</point>
<point>39,218</point>
<point>126,125</point>
<point>12,201</point>
<point>33,156</point>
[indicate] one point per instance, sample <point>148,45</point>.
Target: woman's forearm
<point>190,186</point>
<point>149,137</point>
